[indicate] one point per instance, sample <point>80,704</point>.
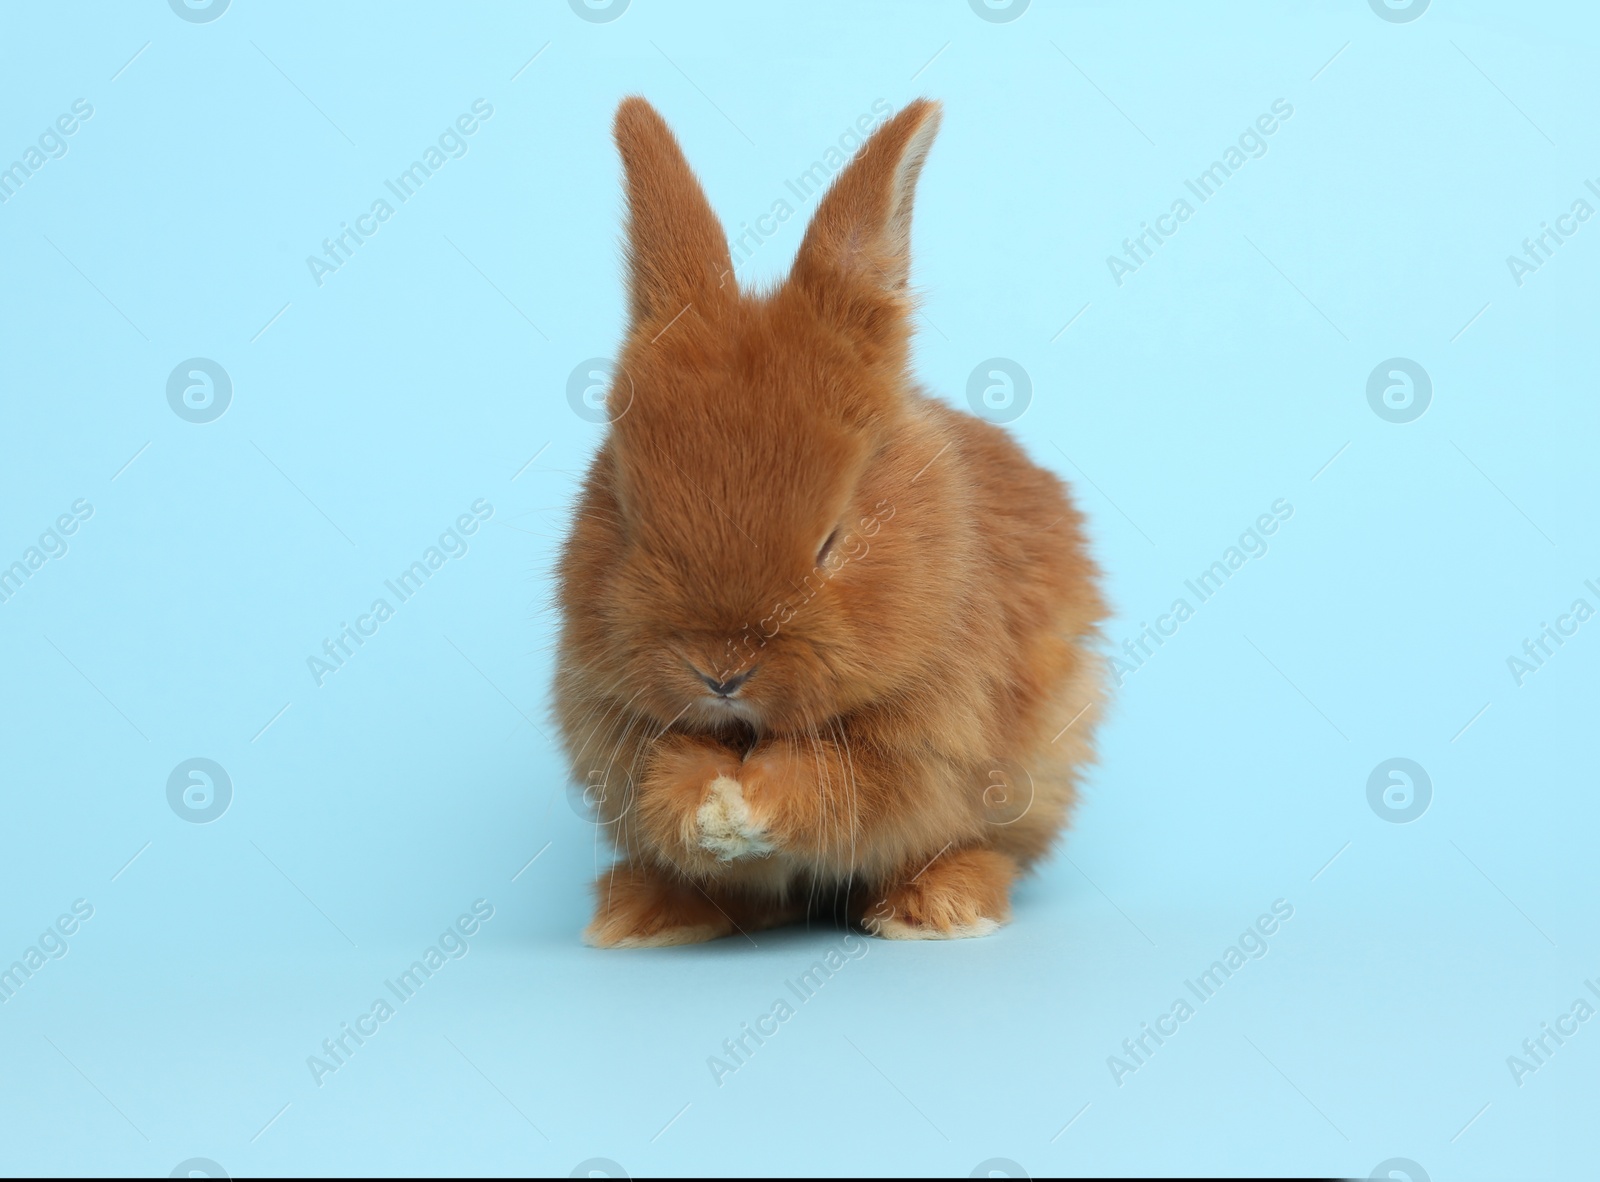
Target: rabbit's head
<point>753,551</point>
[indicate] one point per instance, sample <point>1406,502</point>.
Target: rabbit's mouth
<point>719,711</point>
<point>726,716</point>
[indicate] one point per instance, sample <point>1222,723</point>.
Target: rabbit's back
<point>1036,608</point>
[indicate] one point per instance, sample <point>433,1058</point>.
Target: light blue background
<point>369,412</point>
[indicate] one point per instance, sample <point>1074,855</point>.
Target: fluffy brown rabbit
<point>826,642</point>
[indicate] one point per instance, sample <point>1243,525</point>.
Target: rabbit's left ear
<point>862,229</point>
<point>677,254</point>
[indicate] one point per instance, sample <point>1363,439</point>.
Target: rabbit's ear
<point>862,229</point>
<point>677,254</point>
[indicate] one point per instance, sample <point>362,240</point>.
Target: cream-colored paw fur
<point>597,935</point>
<point>898,929</point>
<point>726,827</point>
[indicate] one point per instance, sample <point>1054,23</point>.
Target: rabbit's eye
<point>827,545</point>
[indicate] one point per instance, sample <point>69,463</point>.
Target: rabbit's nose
<point>726,687</point>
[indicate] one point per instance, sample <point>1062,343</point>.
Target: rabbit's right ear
<point>676,253</point>
<point>862,229</point>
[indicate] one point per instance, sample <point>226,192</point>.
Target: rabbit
<point>826,642</point>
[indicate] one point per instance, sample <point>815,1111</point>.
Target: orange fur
<point>949,627</point>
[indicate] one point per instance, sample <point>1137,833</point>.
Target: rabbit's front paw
<point>725,825</point>
<point>637,906</point>
<point>958,894</point>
